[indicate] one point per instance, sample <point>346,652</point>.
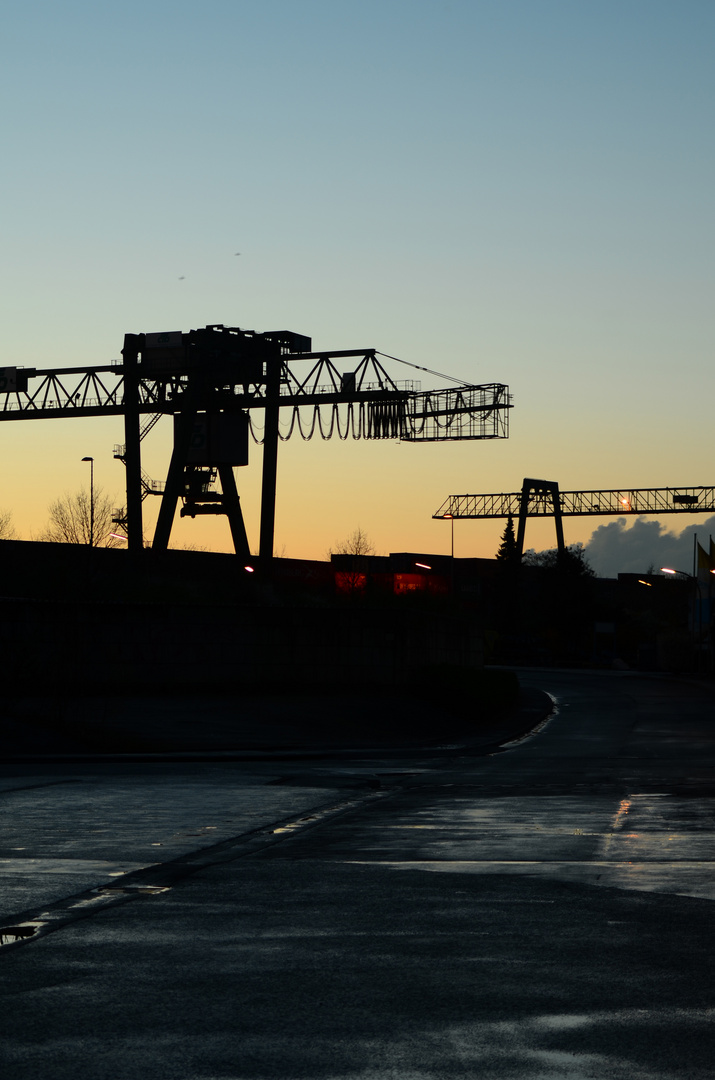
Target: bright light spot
<point>426,567</point>
<point>118,536</point>
<point>248,569</point>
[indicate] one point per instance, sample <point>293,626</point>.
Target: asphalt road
<point>542,912</point>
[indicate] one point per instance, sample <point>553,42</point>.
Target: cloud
<point>615,549</point>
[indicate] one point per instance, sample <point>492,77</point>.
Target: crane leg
<point>232,506</point>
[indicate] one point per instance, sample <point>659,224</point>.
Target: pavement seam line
<point>159,878</point>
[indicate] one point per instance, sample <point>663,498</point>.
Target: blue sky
<point>516,192</point>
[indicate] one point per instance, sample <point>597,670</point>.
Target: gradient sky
<point>504,191</point>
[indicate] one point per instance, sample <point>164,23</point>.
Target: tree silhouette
<point>353,575</point>
<point>7,529</point>
<point>358,543</point>
<point>73,520</point>
<point>507,549</point>
<point>571,562</point>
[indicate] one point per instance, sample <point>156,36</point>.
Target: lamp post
<point>91,499</point>
<point>450,517</point>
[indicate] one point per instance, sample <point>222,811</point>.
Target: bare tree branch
<point>71,520</point>
<point>7,529</point>
<point>358,543</point>
<point>352,578</point>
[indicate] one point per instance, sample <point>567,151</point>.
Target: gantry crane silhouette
<point>212,381</point>
<point>542,498</point>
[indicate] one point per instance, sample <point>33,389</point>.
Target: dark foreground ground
<point>544,912</point>
<point>356,718</point>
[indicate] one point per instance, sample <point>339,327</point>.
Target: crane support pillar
<point>539,489</point>
<point>270,458</point>
<point>232,505</point>
<point>175,479</point>
<point>132,438</point>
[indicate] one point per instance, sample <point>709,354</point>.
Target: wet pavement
<point>542,912</point>
<point>62,836</point>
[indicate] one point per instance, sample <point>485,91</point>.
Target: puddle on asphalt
<point>293,825</point>
<point>9,935</point>
<point>416,826</point>
<point>25,931</point>
<point>86,902</point>
<point>132,890</point>
<point>320,815</point>
<point>563,1022</point>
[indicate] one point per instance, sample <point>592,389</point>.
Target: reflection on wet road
<point>661,844</point>
<point>544,913</point>
<point>617,790</point>
<point>57,839</point>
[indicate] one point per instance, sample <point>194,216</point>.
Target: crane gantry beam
<point>464,412</point>
<point>542,498</point>
<point>211,381</point>
<point>674,500</point>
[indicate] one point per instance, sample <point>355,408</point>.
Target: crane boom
<point>608,502</point>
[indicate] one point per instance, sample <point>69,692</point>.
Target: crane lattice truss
<point>213,381</point>
<point>682,500</point>
<point>325,403</point>
<point>542,498</point>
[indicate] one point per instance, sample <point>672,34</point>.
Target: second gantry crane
<point>542,498</point>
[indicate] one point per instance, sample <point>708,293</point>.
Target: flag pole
<point>710,606</point>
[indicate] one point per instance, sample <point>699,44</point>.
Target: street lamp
<point>668,570</point>
<point>450,517</point>
<point>91,499</point>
